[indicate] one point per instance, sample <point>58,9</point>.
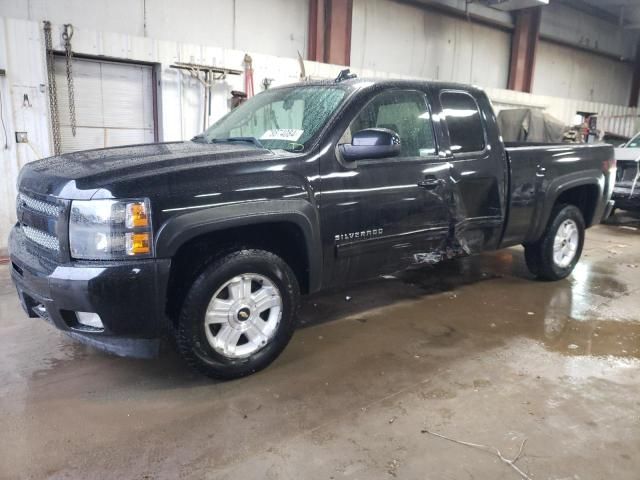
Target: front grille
<point>42,219</point>
<point>41,206</point>
<point>42,238</point>
<point>627,171</point>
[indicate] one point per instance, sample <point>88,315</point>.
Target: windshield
<point>634,142</point>
<point>283,118</point>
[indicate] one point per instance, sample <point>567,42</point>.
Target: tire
<point>540,257</point>
<point>219,295</point>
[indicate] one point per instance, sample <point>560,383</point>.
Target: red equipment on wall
<point>248,75</point>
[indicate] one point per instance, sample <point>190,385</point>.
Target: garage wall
<point>395,37</point>
<point>180,97</point>
<point>225,23</point>
<point>577,27</point>
<point>25,76</point>
<point>563,71</point>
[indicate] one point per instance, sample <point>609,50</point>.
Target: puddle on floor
<point>493,296</point>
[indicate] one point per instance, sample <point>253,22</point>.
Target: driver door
<point>384,214</point>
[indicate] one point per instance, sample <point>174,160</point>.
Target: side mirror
<point>372,143</point>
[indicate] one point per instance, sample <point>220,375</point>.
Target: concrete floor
<point>473,349</point>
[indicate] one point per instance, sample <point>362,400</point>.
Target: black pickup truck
<point>301,188</point>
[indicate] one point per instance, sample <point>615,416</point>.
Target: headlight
<point>110,229</point>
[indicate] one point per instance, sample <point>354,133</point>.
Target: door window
<point>404,112</point>
<point>466,131</point>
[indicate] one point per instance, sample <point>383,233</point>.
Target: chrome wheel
<point>565,244</point>
<point>243,315</point>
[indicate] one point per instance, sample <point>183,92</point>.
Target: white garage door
<point>114,104</point>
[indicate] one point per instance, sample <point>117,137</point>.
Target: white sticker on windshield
<point>290,134</point>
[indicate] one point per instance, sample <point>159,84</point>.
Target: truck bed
<point>540,173</point>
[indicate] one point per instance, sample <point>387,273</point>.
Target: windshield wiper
<point>251,140</point>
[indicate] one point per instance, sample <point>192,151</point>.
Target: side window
<point>462,116</point>
<point>404,112</point>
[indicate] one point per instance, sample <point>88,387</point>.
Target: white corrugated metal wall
<point>225,23</point>
<point>393,37</point>
<point>571,73</point>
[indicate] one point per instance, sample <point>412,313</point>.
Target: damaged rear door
<point>478,169</point>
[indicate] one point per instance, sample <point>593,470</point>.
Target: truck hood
<point>82,174</point>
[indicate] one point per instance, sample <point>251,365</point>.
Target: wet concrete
<point>473,349</point>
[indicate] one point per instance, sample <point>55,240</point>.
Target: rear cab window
<point>462,117</point>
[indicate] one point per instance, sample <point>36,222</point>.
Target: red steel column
<point>523,49</point>
<point>330,31</point>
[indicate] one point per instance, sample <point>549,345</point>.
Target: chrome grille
<point>38,205</point>
<point>41,238</point>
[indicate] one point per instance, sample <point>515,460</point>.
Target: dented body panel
<point>355,219</point>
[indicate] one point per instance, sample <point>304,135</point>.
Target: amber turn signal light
<point>138,243</point>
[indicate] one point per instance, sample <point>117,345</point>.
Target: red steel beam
<point>316,28</point>
<point>330,31</point>
<point>524,44</point>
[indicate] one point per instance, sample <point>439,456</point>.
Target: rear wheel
<point>239,314</point>
<point>555,255</point>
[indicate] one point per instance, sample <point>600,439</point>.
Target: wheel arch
<point>582,192</point>
<point>288,228</point>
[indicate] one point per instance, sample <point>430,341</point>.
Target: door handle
<point>430,182</point>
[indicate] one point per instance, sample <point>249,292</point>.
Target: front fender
<point>184,227</point>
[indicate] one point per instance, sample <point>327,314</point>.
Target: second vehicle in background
<point>626,193</point>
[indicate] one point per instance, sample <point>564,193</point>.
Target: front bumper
<point>624,199</point>
<point>129,297</point>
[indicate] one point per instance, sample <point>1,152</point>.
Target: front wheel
<point>555,255</point>
<point>239,314</point>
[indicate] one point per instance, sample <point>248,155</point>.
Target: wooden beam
<point>330,31</point>
<point>524,44</point>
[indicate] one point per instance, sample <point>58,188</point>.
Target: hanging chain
<point>53,95</point>
<point>67,33</point>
